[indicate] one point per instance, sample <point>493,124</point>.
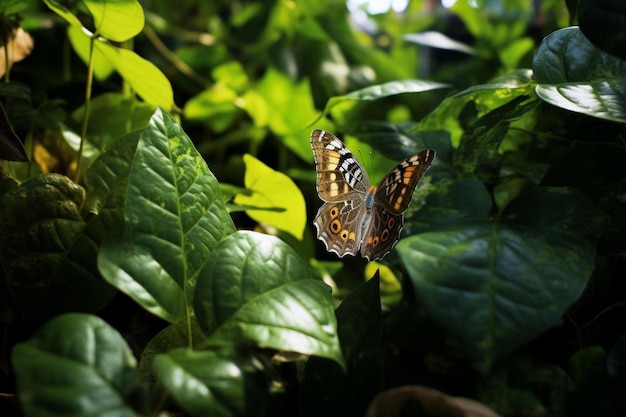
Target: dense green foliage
<point>156,244</point>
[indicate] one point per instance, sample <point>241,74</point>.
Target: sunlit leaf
<point>142,75</point>
<point>117,20</point>
<point>174,216</point>
<point>575,75</point>
<point>275,199</point>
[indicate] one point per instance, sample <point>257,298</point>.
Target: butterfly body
<point>357,216</point>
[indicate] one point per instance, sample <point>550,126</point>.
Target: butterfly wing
<point>342,183</point>
<point>392,197</point>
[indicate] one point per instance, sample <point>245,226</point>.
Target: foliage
<point>133,281</point>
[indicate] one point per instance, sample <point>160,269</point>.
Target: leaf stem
<point>83,130</point>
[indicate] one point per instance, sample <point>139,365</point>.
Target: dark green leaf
<point>480,143</point>
<point>213,383</point>
<point>587,364</point>
<point>76,365</point>
<point>326,389</point>
<point>604,23</point>
<point>174,216</point>
<point>616,359</point>
<point>45,252</point>
<point>11,148</point>
<point>450,202</point>
<point>495,287</point>
<point>575,75</point>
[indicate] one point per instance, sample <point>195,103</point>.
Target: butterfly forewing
<point>392,197</point>
<point>396,189</point>
<point>338,171</point>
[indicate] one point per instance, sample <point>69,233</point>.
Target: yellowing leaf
<point>117,20</point>
<point>275,199</point>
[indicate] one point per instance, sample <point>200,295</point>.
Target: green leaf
<point>272,190</point>
<point>113,115</point>
<point>142,75</point>
<point>486,97</point>
<point>325,388</point>
<point>81,43</point>
<point>45,251</point>
<point>76,365</point>
<point>391,88</point>
<point>575,75</point>
<point>616,359</point>
<point>213,383</point>
<point>215,106</point>
<point>282,96</point>
<point>451,202</point>
<point>602,22</point>
<point>480,142</point>
<point>439,40</point>
<point>494,287</point>
<point>12,6</point>
<point>174,216</point>
<point>64,12</point>
<point>255,287</point>
<point>587,364</point>
<point>117,20</point>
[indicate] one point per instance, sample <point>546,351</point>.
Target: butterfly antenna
<point>375,180</point>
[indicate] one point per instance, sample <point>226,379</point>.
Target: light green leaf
<point>282,96</point>
<point>102,66</point>
<point>275,199</point>
<point>174,216</point>
<point>117,20</point>
<point>142,75</point>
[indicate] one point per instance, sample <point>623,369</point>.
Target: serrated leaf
<point>213,383</point>
<point>117,20</point>
<point>494,287</point>
<point>174,216</point>
<point>45,251</point>
<point>275,199</point>
<point>289,308</point>
<point>76,365</point>
<point>575,75</point>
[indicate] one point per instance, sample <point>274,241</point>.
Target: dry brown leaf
<point>389,403</point>
<point>20,46</point>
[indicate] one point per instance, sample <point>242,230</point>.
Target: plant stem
<point>83,130</point>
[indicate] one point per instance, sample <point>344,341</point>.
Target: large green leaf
<point>174,216</point>
<point>256,287</point>
<point>76,365</point>
<point>496,286</point>
<point>575,75</point>
<point>326,389</point>
<point>45,251</point>
<point>213,383</point>
<point>273,198</point>
<point>117,20</point>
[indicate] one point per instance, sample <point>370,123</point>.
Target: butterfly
<point>356,215</point>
